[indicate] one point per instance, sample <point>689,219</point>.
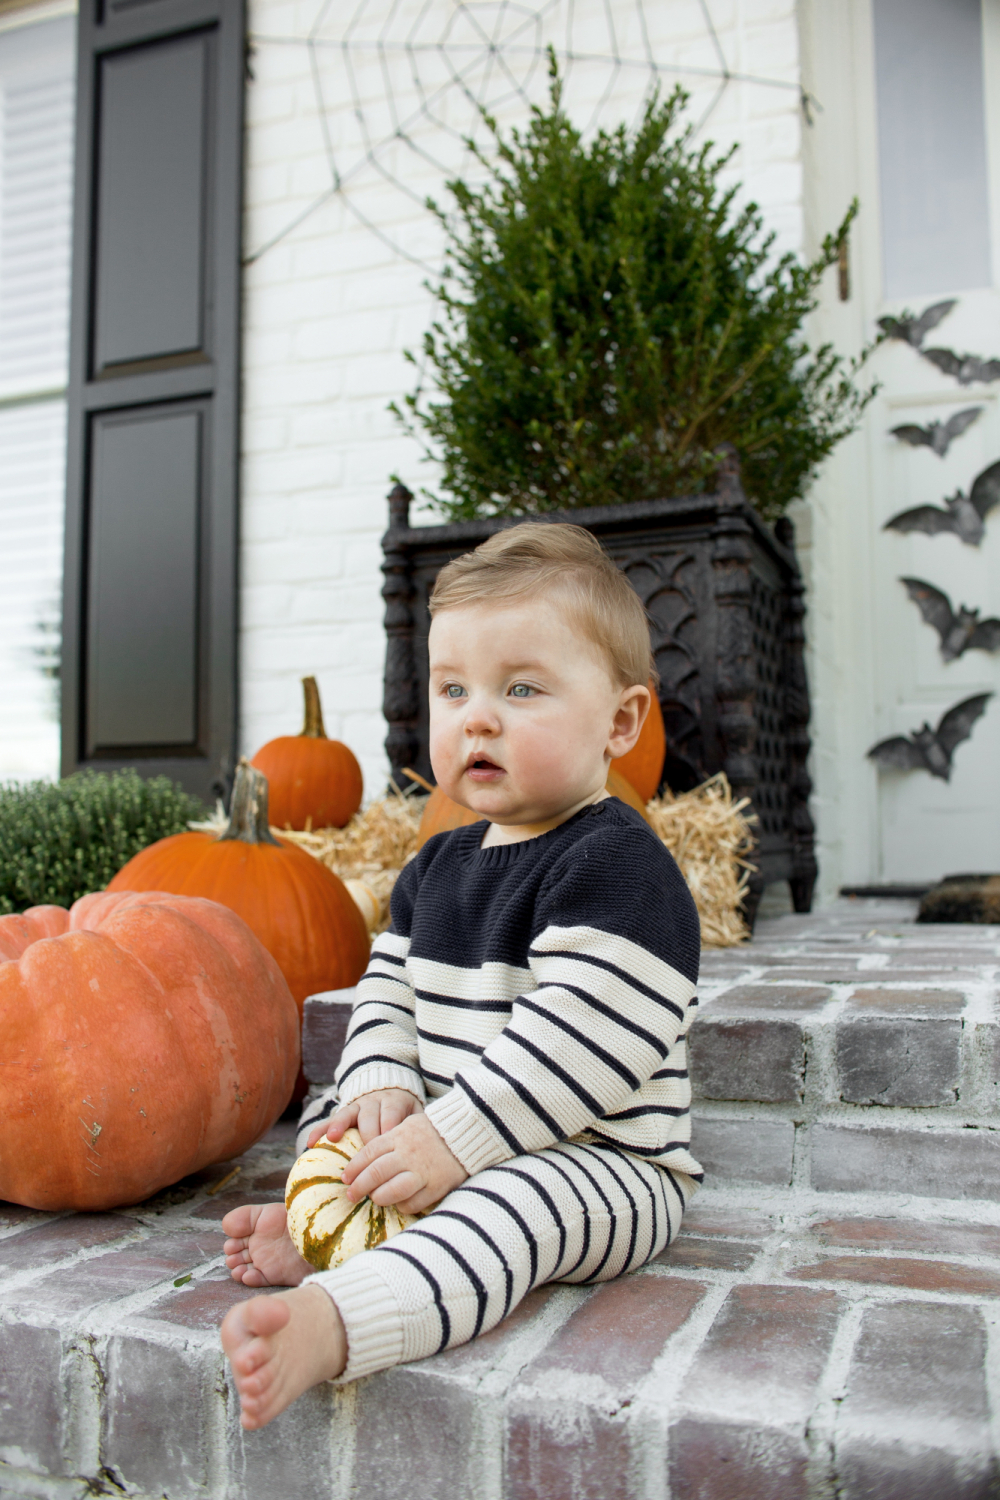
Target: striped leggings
<point>576,1212</point>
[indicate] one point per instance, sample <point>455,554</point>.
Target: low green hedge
<point>59,840</point>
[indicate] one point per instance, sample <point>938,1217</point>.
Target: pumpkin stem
<point>312,729</point>
<point>248,809</point>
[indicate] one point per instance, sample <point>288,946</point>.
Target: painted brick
<point>565,1430</point>
<point>934,1163</point>
<point>899,1062</point>
<point>33,1409</point>
<point>749,1395</point>
<point>48,1243</point>
<point>740,1150</point>
<point>692,1253</point>
<point>116,1274</point>
<point>909,1002</point>
<point>325,1020</point>
<point>779,997</point>
<point>914,1423</point>
<point>914,1275</point>
<point>155,1434</point>
<point>909,1234</point>
<point>754,1060</point>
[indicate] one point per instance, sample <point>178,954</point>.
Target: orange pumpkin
<point>314,782</point>
<point>143,1037</point>
<point>300,910</point>
<point>442,814</point>
<point>643,765</point>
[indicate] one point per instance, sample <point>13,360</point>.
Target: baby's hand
<point>410,1166</point>
<point>373,1114</point>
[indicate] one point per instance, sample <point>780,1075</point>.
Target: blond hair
<point>569,563</point>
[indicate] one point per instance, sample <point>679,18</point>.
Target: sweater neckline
<point>500,855</point>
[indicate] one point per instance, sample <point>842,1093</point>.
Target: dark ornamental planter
<point>724,597</point>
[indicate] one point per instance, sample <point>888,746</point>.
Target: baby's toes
<point>239,1222</point>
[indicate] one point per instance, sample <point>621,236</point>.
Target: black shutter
<point>150,592</point>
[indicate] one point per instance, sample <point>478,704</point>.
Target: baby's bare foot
<point>280,1346</point>
<point>259,1251</point>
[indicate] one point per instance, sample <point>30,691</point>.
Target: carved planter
<point>724,597</point>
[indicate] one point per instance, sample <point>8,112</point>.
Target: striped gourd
<point>325,1226</point>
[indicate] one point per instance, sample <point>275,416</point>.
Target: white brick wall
<point>329,310</point>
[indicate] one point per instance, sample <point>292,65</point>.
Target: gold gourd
<point>325,1226</point>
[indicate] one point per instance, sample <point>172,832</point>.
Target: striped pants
<point>576,1212</point>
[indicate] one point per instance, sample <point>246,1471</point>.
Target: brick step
<point>789,1346</point>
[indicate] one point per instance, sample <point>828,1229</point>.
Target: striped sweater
<point>536,992</point>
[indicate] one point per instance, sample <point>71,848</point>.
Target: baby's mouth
<point>482,768</point>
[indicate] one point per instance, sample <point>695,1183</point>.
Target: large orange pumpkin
<point>442,814</point>
<point>314,782</point>
<point>300,910</point>
<point>643,765</point>
<point>143,1037</point>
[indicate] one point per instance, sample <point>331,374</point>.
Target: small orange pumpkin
<point>314,782</point>
<point>442,814</point>
<point>143,1037</point>
<point>300,910</point>
<point>643,765</point>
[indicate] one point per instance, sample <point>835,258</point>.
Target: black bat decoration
<point>964,515</point>
<point>965,367</point>
<point>960,632</point>
<point>930,749</point>
<point>914,330</point>
<point>938,436</point>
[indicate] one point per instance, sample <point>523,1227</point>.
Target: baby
<point>515,1061</point>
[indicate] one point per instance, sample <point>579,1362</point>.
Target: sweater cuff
<point>372,1318</point>
<point>382,1076</point>
<point>466,1134</point>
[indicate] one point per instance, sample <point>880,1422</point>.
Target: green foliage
<point>609,318</point>
<point>59,840</point>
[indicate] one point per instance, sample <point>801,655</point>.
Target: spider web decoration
<point>400,85</point>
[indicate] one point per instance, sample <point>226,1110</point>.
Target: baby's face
<point>524,716</point>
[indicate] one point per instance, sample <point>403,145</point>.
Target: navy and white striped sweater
<point>536,992</point>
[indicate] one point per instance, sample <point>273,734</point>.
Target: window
<point>932,146</point>
<point>36,161</point>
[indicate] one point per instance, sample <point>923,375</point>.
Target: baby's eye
<point>454,690</point>
<point>521,690</point>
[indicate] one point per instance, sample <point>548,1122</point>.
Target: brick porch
<point>828,1323</point>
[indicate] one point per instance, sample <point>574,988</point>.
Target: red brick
<point>12,1214</point>
<point>916,1275</point>
<point>744,1150</point>
<point>821,974</point>
<point>48,1243</point>
<point>155,1415</point>
<point>559,1442</point>
<point>749,1395</point>
<point>33,1408</point>
<point>755,997</point>
<point>758,1060</point>
<point>424,1422</point>
<point>934,1163</point>
<point>202,1304</point>
<point>116,1274</point>
<point>736,1223</point>
<point>914,1422</point>
<point>896,1061</point>
<point>324,1028</point>
<point>695,1254</point>
<point>908,1002</point>
<point>909,1234</point>
<point>268,1188</point>
<point>291,1458</point>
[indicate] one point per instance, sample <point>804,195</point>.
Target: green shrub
<point>59,840</point>
<point>609,318</point>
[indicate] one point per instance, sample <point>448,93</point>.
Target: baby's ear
<point>630,715</point>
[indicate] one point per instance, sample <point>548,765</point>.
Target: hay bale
<point>962,898</point>
<point>708,835</point>
<point>704,829</point>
